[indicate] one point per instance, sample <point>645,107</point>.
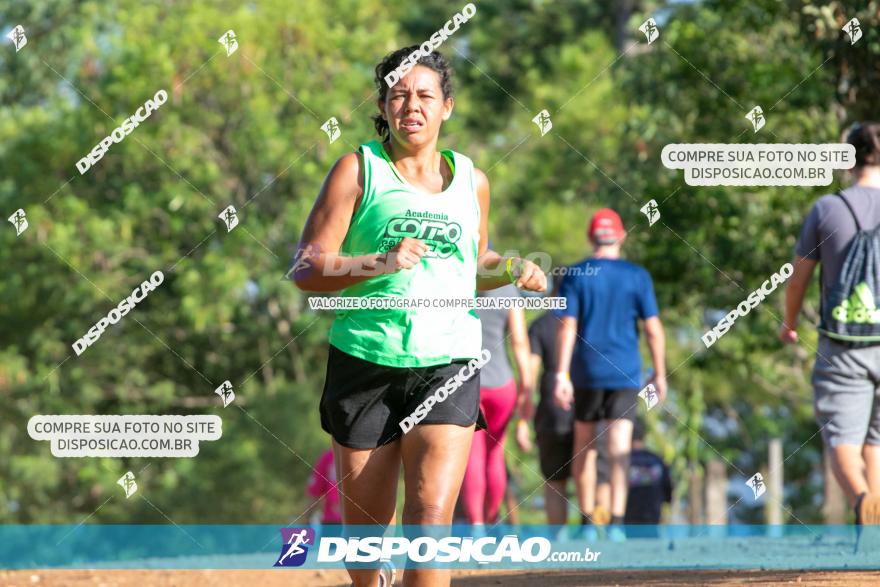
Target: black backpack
<point>851,310</point>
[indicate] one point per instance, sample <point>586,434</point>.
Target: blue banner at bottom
<point>450,547</point>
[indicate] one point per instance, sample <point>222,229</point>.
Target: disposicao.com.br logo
<point>426,546</point>
<point>509,549</point>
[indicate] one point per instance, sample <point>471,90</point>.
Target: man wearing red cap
<point>599,366</point>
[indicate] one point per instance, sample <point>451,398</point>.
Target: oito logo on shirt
<point>439,236</point>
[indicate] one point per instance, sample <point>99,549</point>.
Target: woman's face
<point>415,108</point>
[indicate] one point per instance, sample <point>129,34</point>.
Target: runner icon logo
<point>225,392</point>
<point>19,221</point>
<point>757,485</point>
<point>652,211</point>
<point>756,117</point>
<point>229,217</point>
<point>229,42</point>
<point>859,308</point>
<point>17,37</point>
<point>649,27</point>
<point>854,29</point>
<point>294,550</point>
<point>542,119</point>
<point>331,127</point>
<point>128,484</point>
<point>649,394</point>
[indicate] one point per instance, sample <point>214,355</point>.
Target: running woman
<point>397,218</point>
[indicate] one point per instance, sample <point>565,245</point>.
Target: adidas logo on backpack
<point>859,308</point>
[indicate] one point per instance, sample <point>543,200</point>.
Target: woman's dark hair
<point>390,62</point>
<point>865,137</point>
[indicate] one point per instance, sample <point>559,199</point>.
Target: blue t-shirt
<point>608,297</point>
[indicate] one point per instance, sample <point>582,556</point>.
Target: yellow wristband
<point>509,272</point>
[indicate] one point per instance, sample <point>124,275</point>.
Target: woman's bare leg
<point>434,461</point>
<point>367,492</point>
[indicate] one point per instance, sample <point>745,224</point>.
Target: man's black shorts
<point>363,403</point>
<point>594,405</point>
<point>554,452</point>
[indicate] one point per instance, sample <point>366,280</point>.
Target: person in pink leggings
<point>323,491</point>
<point>485,479</point>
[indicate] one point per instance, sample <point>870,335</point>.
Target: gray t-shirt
<point>829,229</point>
<point>497,371</point>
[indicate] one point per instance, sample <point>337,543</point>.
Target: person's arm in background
<point>795,290</point>
<point>654,334</point>
<point>519,338</point>
<point>563,392</point>
<point>534,370</point>
<point>522,426</point>
<point>656,338</point>
<point>536,350</point>
<point>523,353</point>
<point>807,255</point>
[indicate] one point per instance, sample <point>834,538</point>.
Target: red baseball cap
<point>606,228</point>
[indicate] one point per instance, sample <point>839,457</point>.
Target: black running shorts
<point>363,403</point>
<point>555,454</point>
<point>594,405</point>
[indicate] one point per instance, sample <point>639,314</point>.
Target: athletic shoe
<point>386,574</point>
<point>586,532</point>
<point>561,535</point>
<point>616,534</point>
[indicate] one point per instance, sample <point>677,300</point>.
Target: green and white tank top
<point>435,332</point>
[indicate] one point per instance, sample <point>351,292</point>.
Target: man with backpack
<point>842,233</point>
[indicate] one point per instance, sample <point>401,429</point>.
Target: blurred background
<point>244,130</point>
